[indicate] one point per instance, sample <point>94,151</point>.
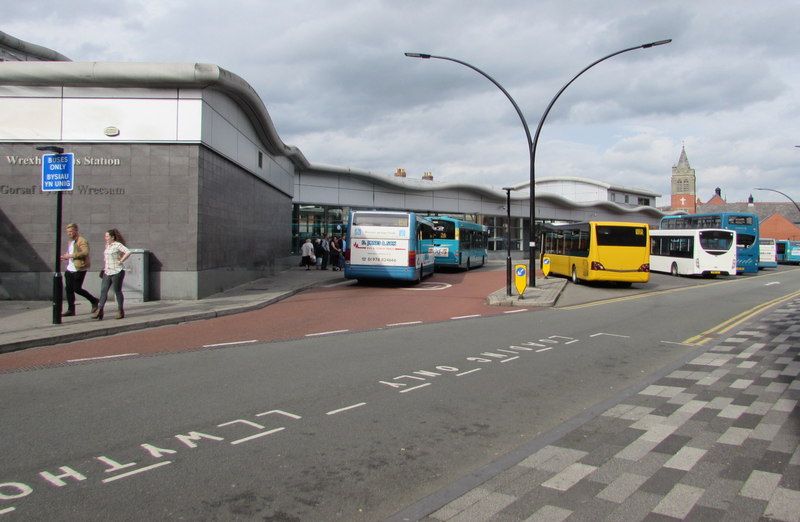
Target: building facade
<point>184,159</point>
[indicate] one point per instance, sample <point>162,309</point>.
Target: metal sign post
<point>57,176</point>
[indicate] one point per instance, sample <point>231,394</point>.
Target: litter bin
<point>135,285</point>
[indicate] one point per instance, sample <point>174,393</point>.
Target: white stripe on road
<point>509,359</point>
<point>468,372</point>
<point>340,410</point>
<point>257,435</point>
<point>103,357</point>
<point>404,324</point>
<point>466,316</point>
<point>326,333</point>
<point>230,343</point>
<point>516,311</point>
<point>544,349</point>
<point>415,387</point>
<point>136,471</point>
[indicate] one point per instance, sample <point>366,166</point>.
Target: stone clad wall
<point>207,223</point>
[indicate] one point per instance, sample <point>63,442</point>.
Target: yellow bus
<point>599,251</point>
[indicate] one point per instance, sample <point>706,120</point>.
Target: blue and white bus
<point>388,245</point>
<point>459,244</point>
<point>787,252</point>
<point>744,224</point>
<point>767,257</point>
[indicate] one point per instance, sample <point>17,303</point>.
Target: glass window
<point>610,235</point>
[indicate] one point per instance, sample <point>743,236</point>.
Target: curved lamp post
<point>527,135</point>
<point>550,106</point>
<point>786,195</point>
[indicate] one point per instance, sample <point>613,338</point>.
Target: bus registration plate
<point>441,251</point>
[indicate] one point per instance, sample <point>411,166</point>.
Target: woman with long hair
<point>114,272</point>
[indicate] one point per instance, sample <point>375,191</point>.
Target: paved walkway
<point>26,324</point>
<point>716,437</point>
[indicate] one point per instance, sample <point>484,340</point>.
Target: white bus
<point>705,252</point>
<point>767,254</point>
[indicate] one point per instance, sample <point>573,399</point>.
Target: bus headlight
<point>596,265</point>
<point>645,267</point>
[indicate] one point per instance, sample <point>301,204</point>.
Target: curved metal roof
<point>155,75</point>
<point>29,49</point>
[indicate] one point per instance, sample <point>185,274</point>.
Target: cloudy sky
<point>337,85</point>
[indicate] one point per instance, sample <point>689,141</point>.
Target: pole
<point>527,136</point>
<point>508,241</point>
<point>57,282</point>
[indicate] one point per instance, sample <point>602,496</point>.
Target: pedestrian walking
<point>78,261</point>
<point>336,251</point>
<point>326,250</point>
<point>113,273</point>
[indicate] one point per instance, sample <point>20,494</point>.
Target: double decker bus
<point>704,252</point>
<point>787,252</point>
<point>457,243</point>
<point>388,245</point>
<point>744,224</point>
<point>599,251</point>
<point>767,255</point>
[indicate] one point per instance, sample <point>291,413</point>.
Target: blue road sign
<point>58,172</point>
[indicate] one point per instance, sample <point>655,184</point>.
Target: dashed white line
<point>466,316</point>
<point>468,372</point>
<point>340,410</point>
<point>516,311</point>
<point>610,335</point>
<point>415,387</point>
<point>103,357</point>
<point>326,333</point>
<point>509,359</point>
<point>257,435</point>
<point>230,343</point>
<point>404,324</point>
<point>136,471</point>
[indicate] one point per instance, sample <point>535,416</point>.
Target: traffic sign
<point>58,172</point>
<point>546,266</point>
<point>520,278</point>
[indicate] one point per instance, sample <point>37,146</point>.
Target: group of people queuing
<point>78,259</point>
<point>323,251</point>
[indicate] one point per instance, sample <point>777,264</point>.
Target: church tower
<point>684,185</point>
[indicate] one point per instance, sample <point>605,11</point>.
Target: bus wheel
<point>674,269</point>
<point>574,275</point>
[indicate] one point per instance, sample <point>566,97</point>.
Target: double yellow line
<point>725,326</point>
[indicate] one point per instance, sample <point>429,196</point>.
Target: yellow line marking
<point>729,324</point>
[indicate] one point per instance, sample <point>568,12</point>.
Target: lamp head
<point>418,55</point>
<point>653,44</point>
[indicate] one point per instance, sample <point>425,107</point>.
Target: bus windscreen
<point>380,220</point>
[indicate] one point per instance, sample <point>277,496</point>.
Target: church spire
<point>683,161</point>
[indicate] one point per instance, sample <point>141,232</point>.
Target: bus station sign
<point>58,172</point>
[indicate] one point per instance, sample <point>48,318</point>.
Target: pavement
<point>28,324</point>
<point>716,436</point>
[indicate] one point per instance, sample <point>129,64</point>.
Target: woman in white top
<point>114,272</point>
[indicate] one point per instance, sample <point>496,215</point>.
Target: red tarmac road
<point>345,306</point>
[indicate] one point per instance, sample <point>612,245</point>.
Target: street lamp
<point>547,111</point>
<point>57,283</point>
<point>527,135</point>
<point>786,195</point>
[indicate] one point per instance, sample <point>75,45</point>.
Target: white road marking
<point>773,283</point>
<point>326,333</point>
<point>610,335</point>
<point>509,359</point>
<point>570,342</point>
<point>257,435</point>
<point>465,316</point>
<point>340,410</point>
<point>468,372</point>
<point>515,311</point>
<point>279,412</point>
<point>429,286</point>
<point>7,510</point>
<point>103,357</point>
<point>544,349</point>
<point>136,471</point>
<point>405,324</point>
<point>415,387</point>
<point>230,343</point>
